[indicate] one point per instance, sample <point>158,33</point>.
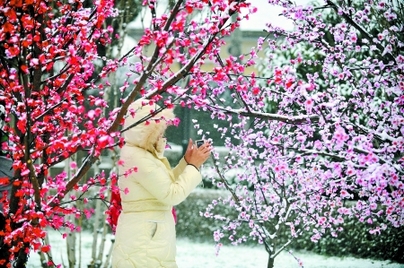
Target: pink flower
<point>322,220</point>
<point>73,165</point>
<point>345,194</point>
<point>309,105</point>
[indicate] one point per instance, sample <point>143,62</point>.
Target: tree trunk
<point>71,249</point>
<point>21,257</point>
<point>271,261</point>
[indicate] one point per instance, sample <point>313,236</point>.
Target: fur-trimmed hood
<point>148,134</point>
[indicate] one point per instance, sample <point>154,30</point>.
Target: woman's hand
<point>197,156</point>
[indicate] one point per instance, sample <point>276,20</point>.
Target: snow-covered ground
<point>201,255</point>
<point>191,255</point>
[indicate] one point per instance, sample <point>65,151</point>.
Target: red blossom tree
<point>53,81</point>
<point>307,144</point>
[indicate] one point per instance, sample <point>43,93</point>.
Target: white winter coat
<point>145,233</point>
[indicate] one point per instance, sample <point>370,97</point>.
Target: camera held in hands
<point>199,143</point>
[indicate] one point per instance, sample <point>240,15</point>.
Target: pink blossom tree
<point>319,136</point>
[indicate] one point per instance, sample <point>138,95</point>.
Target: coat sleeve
<point>179,168</point>
<point>157,181</point>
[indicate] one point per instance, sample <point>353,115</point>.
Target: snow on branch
<point>294,120</point>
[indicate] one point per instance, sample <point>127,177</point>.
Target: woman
<point>145,233</point>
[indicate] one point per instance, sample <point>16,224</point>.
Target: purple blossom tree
<point>319,132</point>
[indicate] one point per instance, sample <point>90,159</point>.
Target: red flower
<point>289,83</point>
<point>12,51</point>
<point>256,90</point>
<point>45,248</point>
<point>4,181</point>
<point>8,27</point>
<point>114,210</point>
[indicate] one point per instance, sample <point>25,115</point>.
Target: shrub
<point>191,223</point>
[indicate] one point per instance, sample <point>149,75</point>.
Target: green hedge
<point>356,241</point>
<point>190,224</point>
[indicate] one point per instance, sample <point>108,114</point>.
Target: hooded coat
<point>149,188</point>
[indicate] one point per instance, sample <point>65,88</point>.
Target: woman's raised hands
<point>197,156</point>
